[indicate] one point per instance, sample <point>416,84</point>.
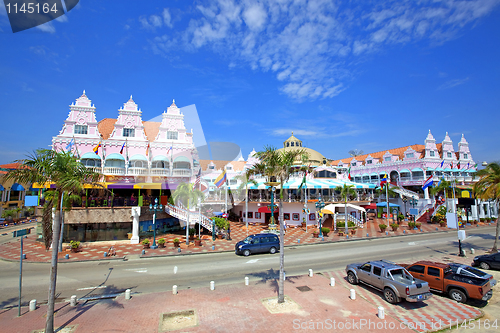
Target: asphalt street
<point>149,275</point>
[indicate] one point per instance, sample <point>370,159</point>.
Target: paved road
<point>157,274</point>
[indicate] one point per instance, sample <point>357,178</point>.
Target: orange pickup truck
<point>442,279</point>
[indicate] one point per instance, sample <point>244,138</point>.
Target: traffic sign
<point>21,232</point>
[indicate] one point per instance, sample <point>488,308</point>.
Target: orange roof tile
<point>10,166</point>
<point>378,155</point>
<point>106,127</point>
<point>151,129</point>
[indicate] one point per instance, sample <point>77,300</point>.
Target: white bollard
<point>212,285</point>
<point>175,269</point>
<point>284,276</point>
<point>246,280</point>
<point>332,282</point>
<point>33,305</point>
<point>353,294</point>
<point>72,302</point>
<point>174,289</point>
<point>127,294</point>
<point>310,273</point>
<point>381,313</point>
<point>471,251</point>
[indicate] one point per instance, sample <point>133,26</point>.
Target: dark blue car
<point>258,243</point>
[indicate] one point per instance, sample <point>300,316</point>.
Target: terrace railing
<point>351,218</point>
<point>181,213</point>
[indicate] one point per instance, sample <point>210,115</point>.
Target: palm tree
<point>346,192</point>
<point>186,194</point>
<point>446,187</point>
<point>488,187</point>
<point>69,176</point>
<point>245,179</point>
<point>277,164</point>
<point>388,190</point>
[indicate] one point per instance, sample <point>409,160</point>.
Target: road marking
<point>137,270</point>
<point>252,261</point>
<point>411,243</point>
<point>98,287</point>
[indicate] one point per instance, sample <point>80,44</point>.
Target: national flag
<point>147,150</point>
<point>219,181</point>
<point>384,180</point>
<point>96,148</point>
<point>442,163</point>
<point>70,145</point>
<point>475,165</point>
<point>168,150</point>
<point>458,165</point>
<point>198,178</point>
<point>468,165</point>
<point>349,173</point>
<point>451,164</point>
<point>427,183</point>
<point>121,150</point>
<point>303,180</point>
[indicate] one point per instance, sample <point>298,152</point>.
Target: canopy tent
<point>330,209</point>
<point>371,206</point>
<point>384,204</point>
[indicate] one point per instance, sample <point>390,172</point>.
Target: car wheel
<point>272,250</point>
<point>246,253</point>
<point>352,278</point>
<point>457,295</point>
<point>484,265</point>
<point>390,296</point>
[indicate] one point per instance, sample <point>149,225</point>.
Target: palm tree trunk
<point>49,324</point>
<point>281,285</point>
<point>246,206</point>
<point>497,233</point>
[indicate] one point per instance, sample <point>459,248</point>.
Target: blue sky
<point>341,75</point>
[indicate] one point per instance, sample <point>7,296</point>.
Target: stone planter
<point>74,249</point>
<point>197,242</point>
<point>176,244</point>
<point>315,234</point>
<point>394,228</point>
<point>161,245</point>
<point>353,231</point>
<point>219,236</point>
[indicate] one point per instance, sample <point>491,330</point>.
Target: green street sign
<point>21,232</point>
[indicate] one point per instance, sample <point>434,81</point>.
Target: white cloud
<point>313,46</point>
<point>452,83</point>
<point>47,27</point>
<point>288,131</point>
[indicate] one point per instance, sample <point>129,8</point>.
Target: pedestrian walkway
<point>35,250</point>
<point>311,303</point>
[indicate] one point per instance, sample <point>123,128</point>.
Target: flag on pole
<point>121,150</point>
<point>198,178</point>
<point>169,149</point>
<point>96,148</point>
<point>442,163</point>
<point>349,173</point>
<point>147,150</point>
<point>70,145</point>
<point>219,181</point>
<point>468,165</point>
<point>451,165</point>
<point>384,180</point>
<point>458,165</point>
<point>427,183</point>
<point>303,180</point>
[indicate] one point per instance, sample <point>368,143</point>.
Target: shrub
<point>401,217</point>
<point>161,241</point>
<point>350,224</point>
<point>325,230</point>
<point>382,226</point>
<point>74,244</point>
<point>220,222</point>
<point>177,240</point>
<point>192,231</point>
<point>394,225</point>
<point>411,225</point>
<point>418,225</point>
<point>145,242</point>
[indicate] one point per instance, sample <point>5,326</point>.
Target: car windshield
<point>248,240</point>
<point>474,272</point>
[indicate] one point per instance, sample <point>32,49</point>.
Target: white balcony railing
<point>182,172</point>
<point>160,172</point>
<point>94,168</point>
<point>137,171</point>
<point>114,171</point>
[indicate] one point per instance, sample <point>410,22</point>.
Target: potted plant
<point>401,217</point>
<point>192,232</point>
<point>353,230</point>
<point>315,233</point>
<point>418,225</point>
<point>382,227</point>
<point>197,241</point>
<point>442,223</point>
<point>325,231</point>
<point>146,243</point>
<point>75,245</point>
<point>395,226</point>
<point>176,242</point>
<point>303,222</point>
<point>161,242</point>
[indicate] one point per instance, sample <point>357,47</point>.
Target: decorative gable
<point>463,150</point>
<point>431,150</point>
<point>129,123</point>
<point>447,149</point>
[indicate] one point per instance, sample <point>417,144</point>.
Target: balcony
<point>160,172</point>
<point>114,171</point>
<point>137,171</point>
<point>181,173</point>
<point>94,168</point>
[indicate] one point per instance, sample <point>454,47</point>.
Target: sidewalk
<point>311,303</point>
<point>35,250</point>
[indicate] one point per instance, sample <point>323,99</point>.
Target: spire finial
<point>429,131</point>
<point>84,91</point>
<point>292,132</point>
<point>130,96</point>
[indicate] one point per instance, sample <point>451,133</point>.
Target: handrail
<point>181,214</point>
<point>351,218</point>
<point>423,211</point>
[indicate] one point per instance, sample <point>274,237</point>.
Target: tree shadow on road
<point>272,276</point>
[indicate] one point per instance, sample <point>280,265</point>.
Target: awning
<point>138,157</point>
<point>121,185</point>
<point>90,156</point>
<point>160,158</point>
<point>97,185</point>
<point>266,209</point>
<point>384,204</point>
<point>2,188</point>
<point>16,187</point>
<point>115,156</point>
<point>44,185</point>
<point>371,206</point>
<point>182,159</point>
<point>404,171</point>
<point>417,169</point>
<point>330,209</point>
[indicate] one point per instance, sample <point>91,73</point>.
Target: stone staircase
<point>351,218</point>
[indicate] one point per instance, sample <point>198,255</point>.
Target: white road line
<point>411,243</point>
<point>253,261</point>
<point>98,287</point>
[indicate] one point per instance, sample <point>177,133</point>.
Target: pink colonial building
<point>130,150</point>
<point>411,165</point>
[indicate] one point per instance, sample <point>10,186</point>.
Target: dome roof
<point>315,158</point>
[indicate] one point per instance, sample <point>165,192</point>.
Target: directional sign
<point>21,232</point>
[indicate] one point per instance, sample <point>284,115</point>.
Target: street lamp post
<point>272,206</point>
<point>319,206</point>
<point>405,199</point>
<point>155,208</point>
<point>199,218</point>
